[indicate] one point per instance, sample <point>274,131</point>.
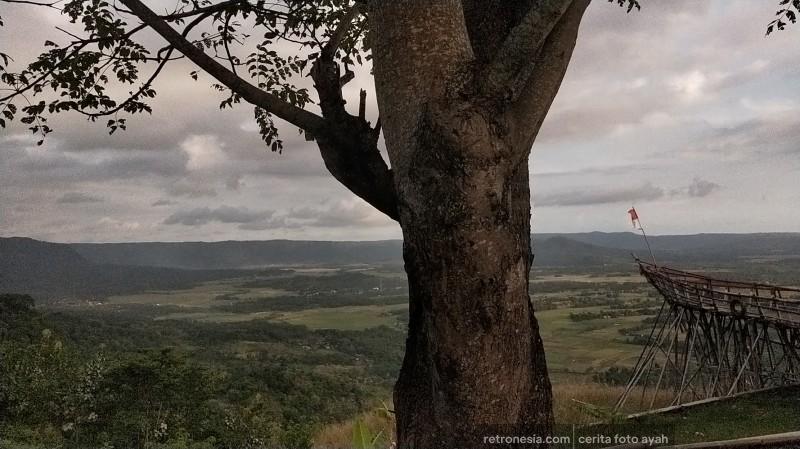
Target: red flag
<point>634,216</point>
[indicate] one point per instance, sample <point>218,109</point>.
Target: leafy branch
<point>788,12</point>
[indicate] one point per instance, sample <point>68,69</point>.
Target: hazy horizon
<point>312,239</point>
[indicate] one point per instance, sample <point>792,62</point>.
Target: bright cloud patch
<point>204,151</point>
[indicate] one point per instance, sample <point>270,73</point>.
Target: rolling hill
<point>579,250</point>
<point>551,251</point>
<point>52,271</point>
<point>241,254</point>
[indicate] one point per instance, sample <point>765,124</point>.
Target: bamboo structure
<point>715,338</point>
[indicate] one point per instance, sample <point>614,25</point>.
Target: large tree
<point>463,87</point>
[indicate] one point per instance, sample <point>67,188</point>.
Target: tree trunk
<point>474,365</point>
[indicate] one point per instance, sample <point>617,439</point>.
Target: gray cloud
<point>594,196</point>
<point>615,170</point>
<point>223,214</point>
<point>191,188</point>
<point>234,183</point>
<point>337,214</point>
<point>78,198</point>
<point>353,213</point>
<point>650,100</point>
<point>269,224</point>
<point>23,164</point>
<point>774,132</point>
<point>700,188</point>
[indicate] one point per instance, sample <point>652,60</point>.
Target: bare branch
<point>362,104</point>
<point>35,3</point>
<point>376,132</point>
<point>295,115</point>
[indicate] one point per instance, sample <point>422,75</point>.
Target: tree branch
<point>346,144</point>
<point>547,74</point>
<point>329,50</point>
<point>162,62</point>
<point>360,167</point>
<point>35,3</point>
<point>351,154</point>
<point>295,115</point>
<point>489,22</point>
<point>217,7</point>
<point>511,68</point>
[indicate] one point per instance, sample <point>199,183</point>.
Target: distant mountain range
<point>581,249</point>
<point>241,254</point>
<point>56,270</point>
<point>695,245</point>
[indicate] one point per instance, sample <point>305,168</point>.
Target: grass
<point>216,317</point>
<point>344,318</point>
<point>753,415</point>
<point>572,347</point>
<point>763,413</point>
<point>568,410</point>
<point>340,435</point>
<point>541,278</point>
<point>585,346</point>
<point>202,296</point>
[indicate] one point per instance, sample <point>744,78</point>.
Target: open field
<point>201,296</point>
<point>585,346</point>
<point>216,317</point>
<point>348,300</point>
<point>344,318</point>
<point>590,278</point>
<point>331,342</point>
<point>576,349</point>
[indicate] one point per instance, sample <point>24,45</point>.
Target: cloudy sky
<point>684,109</point>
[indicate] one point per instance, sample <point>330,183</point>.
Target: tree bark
<point>474,365</point>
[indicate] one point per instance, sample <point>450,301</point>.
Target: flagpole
<point>644,234</point>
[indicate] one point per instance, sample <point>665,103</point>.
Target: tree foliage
<point>268,44</point>
<point>787,13</point>
<point>97,380</point>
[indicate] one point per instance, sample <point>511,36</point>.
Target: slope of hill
<point>580,249</point>
<point>242,254</point>
<point>560,251</point>
<point>551,251</point>
<point>51,271</point>
<point>696,246</point>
